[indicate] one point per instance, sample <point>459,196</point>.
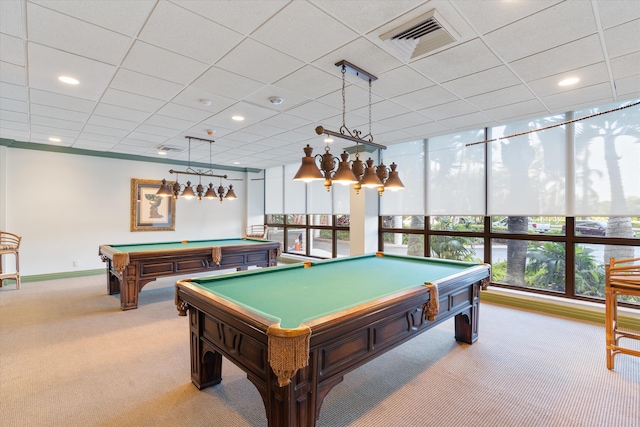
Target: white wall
<point>64,206</point>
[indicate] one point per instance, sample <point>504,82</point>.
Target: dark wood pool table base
<point>336,347</point>
<point>129,277</point>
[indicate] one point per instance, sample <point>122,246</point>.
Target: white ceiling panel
<point>53,29</point>
<point>158,61</point>
<point>123,17</point>
<point>173,27</point>
<point>12,49</point>
<point>259,62</point>
<point>47,64</point>
<point>303,31</point>
<point>141,84</point>
<point>12,73</point>
<point>581,53</point>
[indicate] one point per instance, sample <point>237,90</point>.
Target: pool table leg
<point>466,323</point>
<point>206,362</point>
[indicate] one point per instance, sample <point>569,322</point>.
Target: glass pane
<point>527,225</point>
<point>403,244</point>
<point>411,222</point>
<point>607,150</point>
<point>297,219</point>
<point>344,243</point>
<point>321,243</point>
<point>343,220</point>
<point>626,227</point>
<point>527,173</point>
<point>275,219</point>
<point>409,157</point>
<point>276,233</point>
<point>457,247</point>
<point>529,264</point>
<point>457,223</point>
<point>321,219</point>
<point>296,241</point>
<point>456,174</point>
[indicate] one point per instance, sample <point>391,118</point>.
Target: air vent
<point>169,148</point>
<point>420,35</point>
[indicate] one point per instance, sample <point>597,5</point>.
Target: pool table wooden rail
<point>128,273</point>
<point>337,345</point>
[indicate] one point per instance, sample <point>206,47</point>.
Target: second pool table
<point>297,330</point>
<point>131,266</point>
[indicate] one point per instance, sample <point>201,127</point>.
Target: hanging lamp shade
<point>370,179</point>
<point>230,193</point>
<point>344,175</point>
<point>211,193</point>
<point>393,182</point>
<point>188,193</point>
<point>308,170</point>
<point>165,189</point>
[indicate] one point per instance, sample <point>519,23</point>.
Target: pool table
<point>131,266</point>
<point>296,330</point>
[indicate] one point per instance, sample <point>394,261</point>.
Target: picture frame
<point>150,212</point>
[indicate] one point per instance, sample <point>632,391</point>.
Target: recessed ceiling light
<point>236,163</point>
<point>569,81</point>
<point>68,80</point>
<point>328,139</point>
<point>162,153</point>
<point>238,118</point>
<point>53,139</point>
<point>205,102</point>
<point>275,100</point>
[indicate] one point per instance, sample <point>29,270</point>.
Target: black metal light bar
<point>354,69</point>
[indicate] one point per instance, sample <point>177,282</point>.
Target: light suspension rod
<point>320,130</point>
<point>171,171</point>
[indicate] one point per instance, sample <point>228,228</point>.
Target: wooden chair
<point>10,244</point>
<point>257,231</point>
<point>622,278</point>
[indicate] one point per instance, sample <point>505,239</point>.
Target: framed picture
<point>150,212</point>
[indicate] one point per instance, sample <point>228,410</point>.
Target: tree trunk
<point>516,251</point>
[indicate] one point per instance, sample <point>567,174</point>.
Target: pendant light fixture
<point>186,191</point>
<point>341,170</point>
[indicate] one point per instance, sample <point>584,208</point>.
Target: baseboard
<point>573,309</point>
<point>63,275</point>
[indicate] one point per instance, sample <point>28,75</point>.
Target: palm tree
<point>625,123</point>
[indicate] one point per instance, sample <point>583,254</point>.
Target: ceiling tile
<point>259,62</point>
<point>13,105</point>
<point>184,113</point>
<point>53,29</point>
<point>141,84</point>
<point>286,121</point>
<point>543,30</point>
<point>613,13</point>
<point>47,64</point>
<point>400,81</point>
<point>131,100</point>
<point>508,95</point>
<point>365,19</point>
<point>589,76</point>
<point>111,122</point>
<point>451,109</point>
<point>427,129</point>
<point>623,39</point>
<point>67,135</point>
<point>564,58</point>
<point>175,28</point>
<point>531,108</point>
<point>482,82</point>
<point>468,121</point>
<point>461,60</point>
<point>58,113</point>
<point>11,18</point>
<point>157,62</point>
<point>311,82</point>
<point>124,18</point>
<point>198,99</point>
<point>625,66</point>
<point>116,134</point>
<point>251,113</point>
<point>424,98</point>
<point>303,31</point>
<point>14,92</point>
<point>628,87</point>
<point>157,130</point>
<point>404,120</point>
<point>12,49</point>
<point>14,74</point>
<point>13,116</point>
<point>228,14</point>
<point>91,136</point>
<point>501,12</point>
<point>314,111</point>
<point>578,97</point>
<point>61,101</point>
<point>289,99</point>
<point>55,123</point>
<point>87,144</point>
<point>170,122</point>
<point>120,112</point>
<point>225,83</point>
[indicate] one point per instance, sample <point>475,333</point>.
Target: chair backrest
<point>9,242</point>
<point>257,231</point>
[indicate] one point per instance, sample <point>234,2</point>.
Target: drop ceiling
<point>152,72</point>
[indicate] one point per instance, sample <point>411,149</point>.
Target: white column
<point>363,231</point>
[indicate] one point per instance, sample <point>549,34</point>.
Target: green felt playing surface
<point>294,294</point>
<point>167,246</point>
